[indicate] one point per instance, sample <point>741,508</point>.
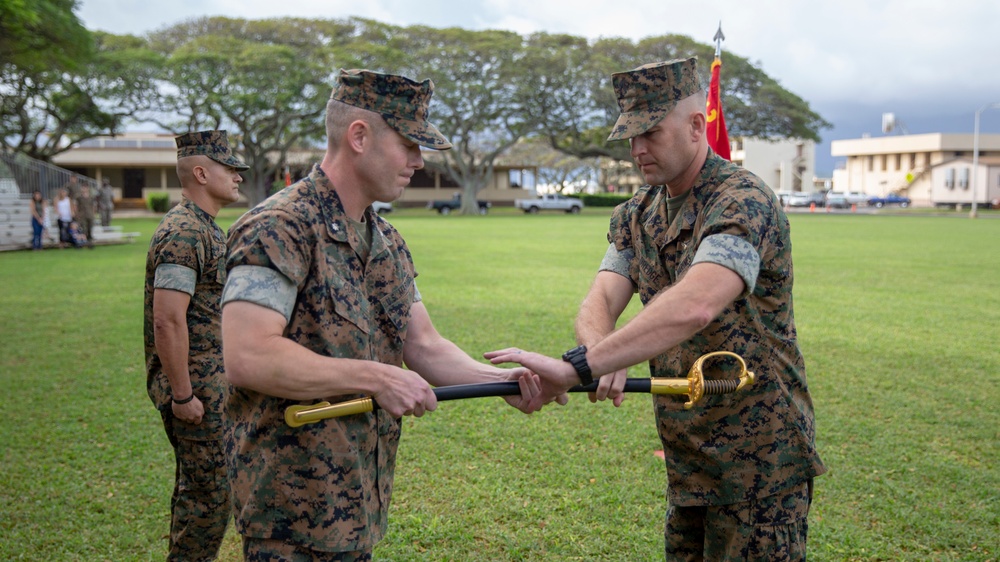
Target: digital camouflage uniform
<point>189,241</point>
<point>105,202</point>
<point>327,485</point>
<point>752,454</point>
<point>761,441</point>
<point>85,215</point>
<point>188,237</point>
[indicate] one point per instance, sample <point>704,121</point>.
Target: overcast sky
<point>932,63</point>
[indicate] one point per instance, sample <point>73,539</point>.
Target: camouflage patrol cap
<point>214,144</point>
<point>403,103</point>
<point>648,93</point>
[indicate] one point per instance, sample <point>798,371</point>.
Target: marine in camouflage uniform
<point>85,214</point>
<point>186,261</point>
<point>316,267</point>
<point>740,466</point>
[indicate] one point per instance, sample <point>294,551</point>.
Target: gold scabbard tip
<point>299,415</point>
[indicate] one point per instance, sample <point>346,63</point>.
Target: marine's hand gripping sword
<point>695,386</point>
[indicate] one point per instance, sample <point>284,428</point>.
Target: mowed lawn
<point>898,318</point>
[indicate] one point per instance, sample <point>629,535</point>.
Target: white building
<point>785,165</point>
<point>930,169</point>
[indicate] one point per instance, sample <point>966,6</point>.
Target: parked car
<point>890,199</point>
<point>837,200</point>
<point>804,199</point>
<point>454,204</point>
<point>382,207</point>
<point>783,196</point>
<point>553,202</point>
<point>857,197</point>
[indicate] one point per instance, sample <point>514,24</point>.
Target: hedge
<point>158,202</point>
<point>604,199</point>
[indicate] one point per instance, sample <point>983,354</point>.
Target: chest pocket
<point>350,304</point>
<point>678,254</point>
<point>396,305</point>
<point>220,270</point>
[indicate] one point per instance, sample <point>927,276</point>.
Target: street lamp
<point>975,158</point>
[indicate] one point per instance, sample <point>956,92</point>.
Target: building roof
<point>903,144</point>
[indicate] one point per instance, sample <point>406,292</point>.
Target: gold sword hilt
<point>696,387</point>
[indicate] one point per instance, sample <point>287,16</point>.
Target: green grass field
<point>898,318</point>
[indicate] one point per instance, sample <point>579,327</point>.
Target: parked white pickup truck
<point>552,202</point>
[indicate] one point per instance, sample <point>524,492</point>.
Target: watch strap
<point>577,357</point>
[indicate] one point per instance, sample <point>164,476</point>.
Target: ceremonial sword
<point>695,386</point>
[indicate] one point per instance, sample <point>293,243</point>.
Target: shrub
<point>604,199</point>
<point>158,202</point>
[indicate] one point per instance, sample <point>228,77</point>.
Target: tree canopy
<point>46,109</point>
<point>262,79</point>
<point>267,81</point>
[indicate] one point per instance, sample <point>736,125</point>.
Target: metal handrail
<point>31,174</point>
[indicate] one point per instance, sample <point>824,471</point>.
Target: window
<point>885,160</point>
<point>871,163</point>
<point>899,162</point>
<point>913,160</point>
<point>963,179</point>
<point>949,178</point>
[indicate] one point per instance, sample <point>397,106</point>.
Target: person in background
<point>72,187</point>
<point>65,210</point>
<point>76,236</point>
<point>321,304</point>
<point>106,201</point>
<point>185,273</point>
<point>37,219</point>
<point>85,214</point>
<point>707,247</point>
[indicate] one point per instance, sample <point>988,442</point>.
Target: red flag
<point>718,138</point>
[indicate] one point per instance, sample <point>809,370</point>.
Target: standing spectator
<point>185,273</point>
<point>65,209</point>
<point>85,214</point>
<point>72,187</point>
<point>37,219</point>
<point>105,202</point>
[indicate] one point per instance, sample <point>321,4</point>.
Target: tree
<point>555,169</point>
<point>39,35</point>
<point>579,107</point>
<point>46,110</point>
<point>476,103</point>
<point>755,104</point>
<point>268,80</point>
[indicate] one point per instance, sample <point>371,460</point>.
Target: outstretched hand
<point>530,386</point>
<point>555,376</point>
<point>610,386</point>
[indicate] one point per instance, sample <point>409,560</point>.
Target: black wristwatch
<point>577,357</point>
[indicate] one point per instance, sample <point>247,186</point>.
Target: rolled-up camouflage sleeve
<point>261,286</point>
<point>731,252</point>
<point>175,277</point>
<point>617,262</point>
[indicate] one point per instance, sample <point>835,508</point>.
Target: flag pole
<point>718,137</point>
<point>719,38</point>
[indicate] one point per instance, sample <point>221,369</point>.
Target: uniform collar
<point>687,215</point>
<point>335,219</point>
<point>198,211</point>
